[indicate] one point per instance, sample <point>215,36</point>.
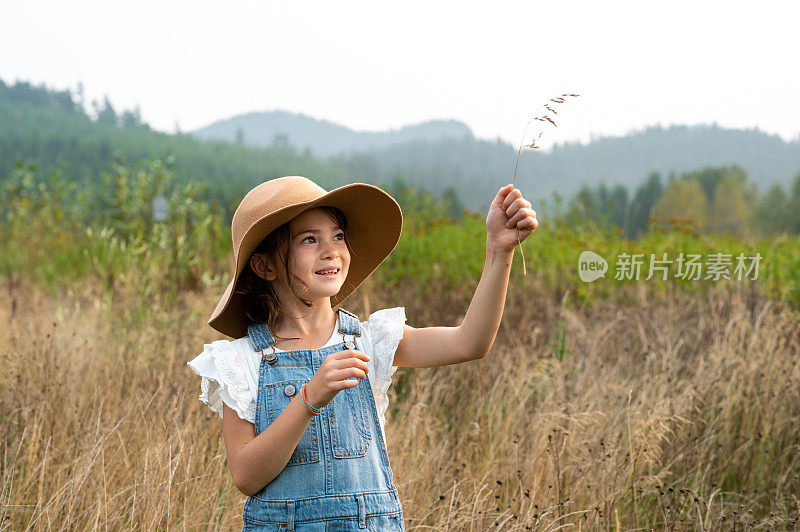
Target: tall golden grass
<point>674,413</point>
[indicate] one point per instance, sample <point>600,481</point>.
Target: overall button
<point>349,345</point>
<point>271,358</point>
<point>289,390</point>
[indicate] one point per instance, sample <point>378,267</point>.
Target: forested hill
<point>767,159</point>
<point>52,129</point>
<point>321,137</point>
<point>450,146</point>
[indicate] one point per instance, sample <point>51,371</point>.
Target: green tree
<point>772,212</point>
<point>603,207</point>
<point>615,205</point>
<point>105,112</point>
<point>730,211</point>
<point>451,203</point>
<point>793,206</point>
<point>584,206</point>
<point>684,199</point>
<point>645,199</point>
<point>710,176</point>
<point>132,118</point>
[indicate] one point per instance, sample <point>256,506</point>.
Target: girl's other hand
<point>509,213</point>
<point>335,374</point>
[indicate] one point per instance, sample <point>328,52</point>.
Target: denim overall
<point>338,477</point>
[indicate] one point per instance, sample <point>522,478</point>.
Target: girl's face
<point>317,244</point>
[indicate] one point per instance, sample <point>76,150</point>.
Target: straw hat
<point>374,222</point>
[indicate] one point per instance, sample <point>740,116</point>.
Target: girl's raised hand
<point>509,213</point>
<point>335,374</point>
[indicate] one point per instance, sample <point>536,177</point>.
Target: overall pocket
<point>348,419</point>
<point>278,396</point>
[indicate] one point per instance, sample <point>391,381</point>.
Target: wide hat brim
<point>374,222</point>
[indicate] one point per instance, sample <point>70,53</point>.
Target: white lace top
<point>229,368</point>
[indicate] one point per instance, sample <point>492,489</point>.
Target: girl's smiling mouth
<point>328,272</point>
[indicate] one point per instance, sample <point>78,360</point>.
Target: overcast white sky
<point>373,65</point>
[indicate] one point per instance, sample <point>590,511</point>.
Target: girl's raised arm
<point>440,346</point>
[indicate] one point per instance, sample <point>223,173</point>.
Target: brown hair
<point>261,303</point>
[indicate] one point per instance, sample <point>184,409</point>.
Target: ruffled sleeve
<point>385,331</point>
<point>225,379</point>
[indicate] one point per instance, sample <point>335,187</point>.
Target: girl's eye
<point>337,235</point>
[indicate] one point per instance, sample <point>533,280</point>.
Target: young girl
<point>302,389</point>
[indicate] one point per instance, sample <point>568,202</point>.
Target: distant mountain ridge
<point>53,131</point>
<point>629,160</point>
<point>322,137</point>
<point>441,153</point>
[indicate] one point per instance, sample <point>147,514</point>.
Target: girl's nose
<point>330,250</point>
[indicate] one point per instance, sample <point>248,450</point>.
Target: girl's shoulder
<point>229,375</point>
<point>386,316</point>
<point>240,350</point>
<point>383,330</point>
<point>384,322</point>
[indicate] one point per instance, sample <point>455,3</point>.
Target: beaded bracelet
<point>312,409</point>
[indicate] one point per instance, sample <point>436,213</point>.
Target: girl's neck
<point>306,322</point>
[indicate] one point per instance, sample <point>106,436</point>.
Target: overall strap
<point>260,336</point>
<point>348,323</point>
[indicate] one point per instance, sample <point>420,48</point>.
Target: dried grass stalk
<point>534,146</point>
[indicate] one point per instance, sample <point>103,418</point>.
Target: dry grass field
<point>671,413</point>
